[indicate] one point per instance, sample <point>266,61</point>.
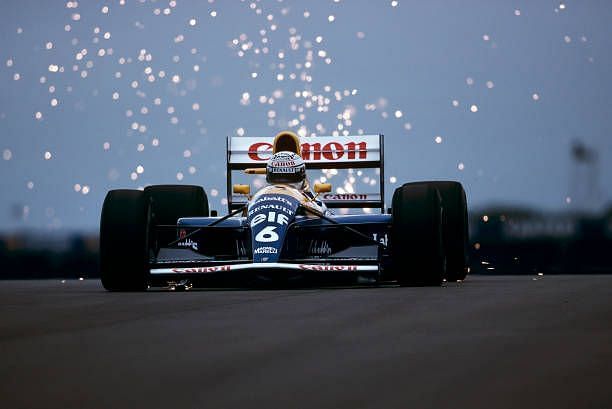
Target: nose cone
<point>269,217</point>
<point>287,141</point>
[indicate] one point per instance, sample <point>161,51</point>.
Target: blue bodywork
<point>301,237</point>
<point>277,229</point>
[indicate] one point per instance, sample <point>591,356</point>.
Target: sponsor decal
<point>265,250</point>
<point>258,208</point>
<point>286,155</point>
<point>188,243</point>
<point>262,151</point>
<point>382,239</point>
<point>212,269</point>
<point>284,164</point>
<point>277,169</point>
<point>271,217</point>
<point>270,198</point>
<point>314,267</point>
<point>345,196</point>
<point>319,248</point>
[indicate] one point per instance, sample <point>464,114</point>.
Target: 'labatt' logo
<point>261,151</point>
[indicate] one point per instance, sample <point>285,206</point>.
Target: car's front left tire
<point>124,231</point>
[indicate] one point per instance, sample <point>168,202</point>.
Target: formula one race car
<point>286,234</point>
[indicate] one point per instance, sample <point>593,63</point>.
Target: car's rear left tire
<point>416,235</point>
<point>124,227</point>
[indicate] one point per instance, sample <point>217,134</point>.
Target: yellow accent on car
<point>322,187</point>
<point>241,189</point>
<point>255,171</point>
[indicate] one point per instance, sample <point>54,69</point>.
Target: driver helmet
<point>287,168</point>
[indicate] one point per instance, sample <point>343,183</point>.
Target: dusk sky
<point>123,94</point>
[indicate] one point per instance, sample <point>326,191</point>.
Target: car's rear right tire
<point>416,235</point>
<point>124,226</point>
<point>455,229</point>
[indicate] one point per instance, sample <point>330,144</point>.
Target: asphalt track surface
<point>491,342</point>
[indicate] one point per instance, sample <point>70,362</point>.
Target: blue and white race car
<point>286,233</point>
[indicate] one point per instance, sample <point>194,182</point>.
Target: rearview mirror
<point>322,187</point>
<point>241,189</point>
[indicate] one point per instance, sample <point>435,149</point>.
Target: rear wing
<point>320,152</point>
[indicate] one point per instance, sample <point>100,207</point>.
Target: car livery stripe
<point>262,266</point>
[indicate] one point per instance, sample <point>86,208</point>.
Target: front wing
<point>254,274</point>
<point>222,253</point>
<point>265,267</point>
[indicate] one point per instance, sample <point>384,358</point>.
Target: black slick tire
<point>455,229</point>
<point>171,202</point>
<point>124,224</point>
<point>168,204</point>
<point>416,235</point>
